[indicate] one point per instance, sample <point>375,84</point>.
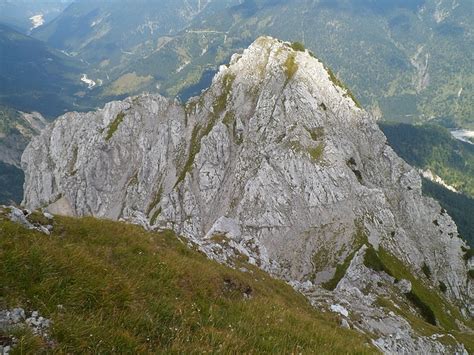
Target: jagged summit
<point>274,163</point>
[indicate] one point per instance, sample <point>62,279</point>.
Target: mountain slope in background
<point>110,34</point>
<point>277,164</point>
<point>25,15</point>
<point>459,206</point>
<point>407,61</point>
<point>433,148</point>
<point>36,77</point>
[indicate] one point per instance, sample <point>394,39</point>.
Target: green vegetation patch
<point>443,287</point>
<point>111,287</point>
<point>441,309</point>
<point>194,148</point>
<point>360,238</point>
<point>433,308</point>
<point>290,66</point>
<point>221,101</point>
<point>425,310</point>
<point>372,261</point>
<point>114,125</point>
<point>316,153</point>
<point>298,46</point>
<point>156,200</point>
<point>426,270</point>
<point>339,274</point>
<point>199,132</point>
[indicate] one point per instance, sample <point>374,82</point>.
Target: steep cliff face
<point>278,164</point>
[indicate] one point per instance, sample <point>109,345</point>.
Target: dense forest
<point>433,147</point>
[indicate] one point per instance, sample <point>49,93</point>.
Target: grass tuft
<point>372,261</point>
<point>298,46</point>
<point>114,125</point>
<point>290,66</point>
<point>426,270</point>
<point>443,287</point>
<point>316,153</point>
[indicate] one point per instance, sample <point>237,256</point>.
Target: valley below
<point>256,176</point>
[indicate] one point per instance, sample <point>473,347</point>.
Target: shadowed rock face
<point>274,157</point>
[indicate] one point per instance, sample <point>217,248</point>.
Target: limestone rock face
<point>275,161</point>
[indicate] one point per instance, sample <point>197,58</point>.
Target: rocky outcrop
<point>275,163</point>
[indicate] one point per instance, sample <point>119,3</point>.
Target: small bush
<point>426,270</point>
<point>298,46</point>
<point>442,287</point>
<point>316,153</point>
<point>468,253</point>
<point>291,67</point>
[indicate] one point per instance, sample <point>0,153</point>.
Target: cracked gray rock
<point>274,162</point>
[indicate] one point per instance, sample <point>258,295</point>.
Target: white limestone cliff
<point>275,162</point>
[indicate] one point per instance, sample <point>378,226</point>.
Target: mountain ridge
<point>397,75</point>
<point>274,163</point>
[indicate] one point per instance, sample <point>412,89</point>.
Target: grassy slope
<point>35,77</point>
<point>130,290</point>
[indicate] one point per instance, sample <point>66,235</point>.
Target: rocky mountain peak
<point>275,164</point>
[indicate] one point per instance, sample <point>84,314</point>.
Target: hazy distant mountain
<point>407,60</point>
<point>25,15</point>
<point>35,77</point>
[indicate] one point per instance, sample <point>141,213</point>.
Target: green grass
<point>372,261</point>
<point>199,132</point>
<point>114,125</point>
<point>445,313</point>
<point>339,274</point>
<point>122,289</point>
<point>436,314</point>
<point>443,287</point>
<point>316,153</point>
<point>290,66</point>
<point>298,46</point>
<point>426,270</point>
<point>425,310</point>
